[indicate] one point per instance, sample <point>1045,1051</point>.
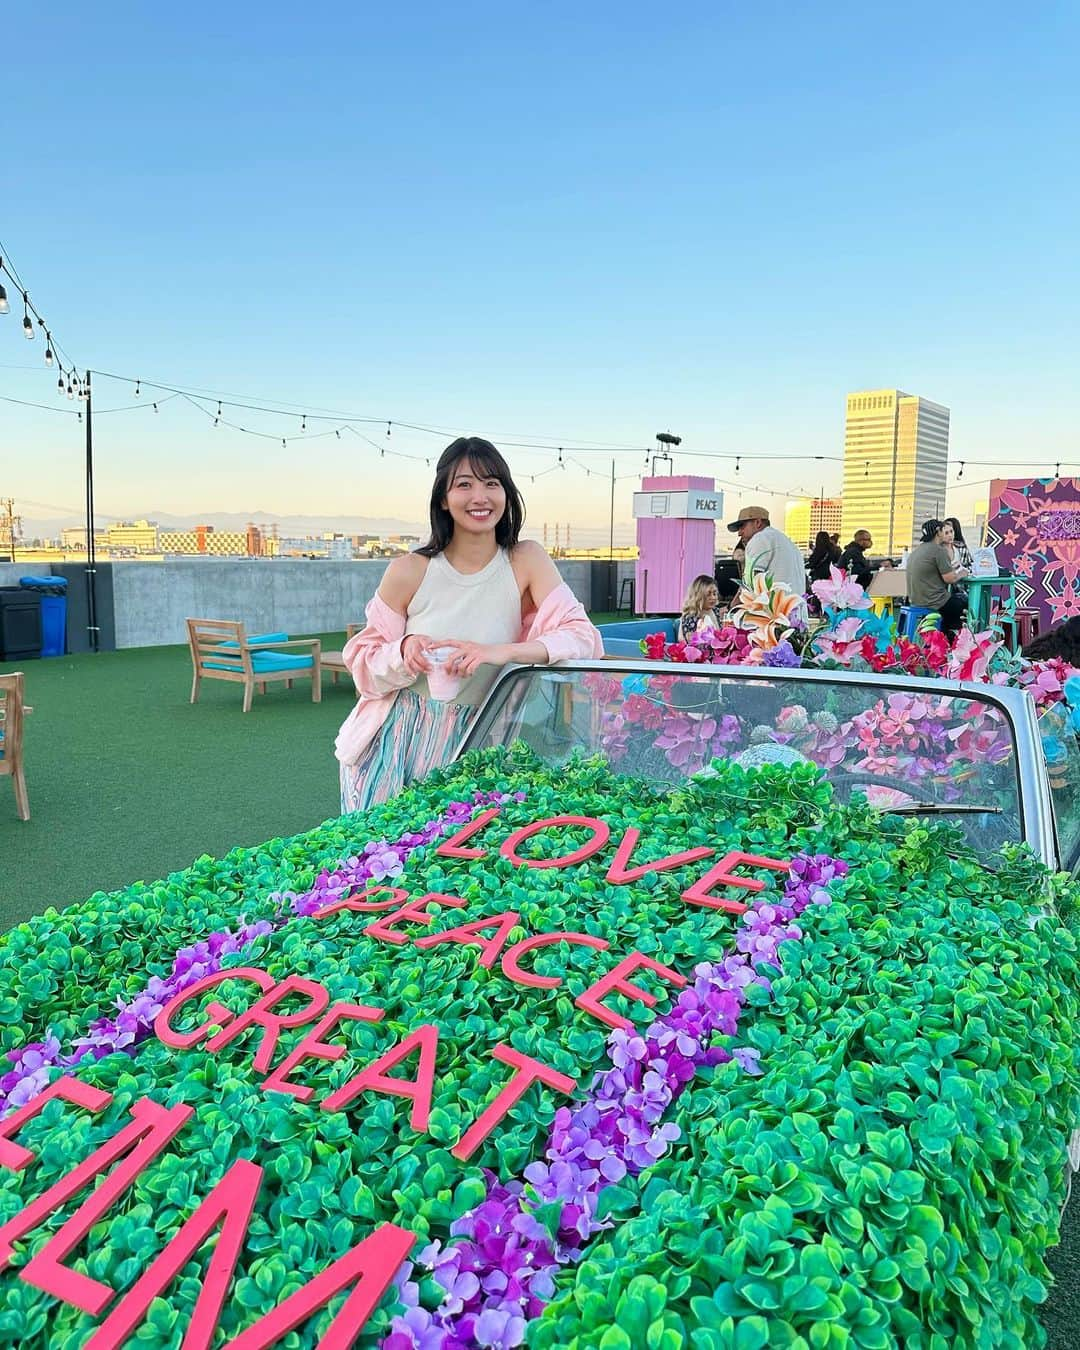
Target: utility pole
<point>10,524</point>
<point>91,555</point>
<point>611,543</point>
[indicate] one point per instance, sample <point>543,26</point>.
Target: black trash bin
<point>20,624</point>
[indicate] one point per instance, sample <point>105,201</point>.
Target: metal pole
<point>91,556</point>
<point>612,578</point>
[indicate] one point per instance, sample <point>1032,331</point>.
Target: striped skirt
<point>419,735</point>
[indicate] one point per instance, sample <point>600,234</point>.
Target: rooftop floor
<point>128,781</point>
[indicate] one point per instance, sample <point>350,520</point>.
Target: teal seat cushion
<point>263,637</point>
<point>265,662</point>
<point>279,661</point>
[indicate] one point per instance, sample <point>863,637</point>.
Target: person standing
<point>853,559</point>
<point>823,556</point>
<point>473,598</point>
<point>769,552</point>
<point>932,574</point>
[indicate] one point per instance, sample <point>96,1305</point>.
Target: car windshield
<point>908,750</point>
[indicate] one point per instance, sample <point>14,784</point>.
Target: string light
<point>337,433</point>
<point>60,384</point>
<point>303,421</point>
<point>738,460</point>
<point>155,407</point>
<point>5,307</point>
<point>961,473</point>
<point>137,382</point>
<point>28,327</point>
<point>71,392</point>
<point>48,348</point>
<point>388,428</point>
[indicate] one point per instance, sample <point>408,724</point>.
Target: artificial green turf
<point>128,781</point>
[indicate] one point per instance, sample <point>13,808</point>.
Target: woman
<point>701,608</point>
<point>961,554</point>
<point>823,555</point>
<point>474,598</point>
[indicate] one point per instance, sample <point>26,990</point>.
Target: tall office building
<point>896,452</point>
<point>804,516</point>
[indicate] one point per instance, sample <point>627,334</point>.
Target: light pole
<point>665,438</point>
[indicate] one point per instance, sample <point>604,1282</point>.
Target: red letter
<point>373,1263</point>
<point>363,906</point>
<point>467,933</point>
<point>526,1072</point>
<point>613,982</point>
<point>619,873</point>
<point>148,1133</point>
<point>68,1089</point>
<point>259,1013</point>
<point>601,834</point>
<point>414,912</point>
<point>700,892</point>
<point>230,1204</point>
<point>514,972</point>
<point>215,1013</point>
<point>375,1079</point>
<point>312,1047</point>
<point>452,848</point>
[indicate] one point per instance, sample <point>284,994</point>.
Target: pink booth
<point>676,538</point>
<point>1033,525</point>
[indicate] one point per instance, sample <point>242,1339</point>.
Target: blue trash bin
<point>53,593</point>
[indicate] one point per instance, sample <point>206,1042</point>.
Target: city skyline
<point>587,266</point>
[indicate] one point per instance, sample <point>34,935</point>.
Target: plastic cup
<point>441,685</point>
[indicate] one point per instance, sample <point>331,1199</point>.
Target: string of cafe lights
<point>213,407</point>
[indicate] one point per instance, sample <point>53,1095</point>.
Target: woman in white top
<point>463,597</point>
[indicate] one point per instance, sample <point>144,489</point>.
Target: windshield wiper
<point>941,809</point>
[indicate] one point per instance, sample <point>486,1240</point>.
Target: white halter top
<point>482,606</point>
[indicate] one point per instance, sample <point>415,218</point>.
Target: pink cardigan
<point>374,658</point>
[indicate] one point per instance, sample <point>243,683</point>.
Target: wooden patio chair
<point>12,711</point>
<point>220,650</point>
<point>333,662</point>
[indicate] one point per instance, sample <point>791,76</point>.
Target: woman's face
<point>947,534</point>
<point>711,597</point>
<point>476,502</point>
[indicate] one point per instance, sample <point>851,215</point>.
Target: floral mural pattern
<point>1034,527</point>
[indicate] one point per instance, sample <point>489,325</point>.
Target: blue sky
<point>579,223</point>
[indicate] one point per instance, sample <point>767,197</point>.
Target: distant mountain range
<point>43,527</point>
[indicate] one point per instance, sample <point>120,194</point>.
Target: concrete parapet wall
<point>294,596</point>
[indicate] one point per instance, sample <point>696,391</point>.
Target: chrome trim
<point>1036,810</point>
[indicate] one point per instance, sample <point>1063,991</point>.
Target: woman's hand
<point>414,650</point>
<point>467,657</point>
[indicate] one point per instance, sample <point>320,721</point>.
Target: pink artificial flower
<point>840,591</point>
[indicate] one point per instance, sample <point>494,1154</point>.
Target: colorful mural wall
<point>1034,526</point>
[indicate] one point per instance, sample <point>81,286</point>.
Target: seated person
<point>1062,640</point>
<point>701,608</point>
<point>932,574</point>
<point>823,556</point>
<point>853,558</point>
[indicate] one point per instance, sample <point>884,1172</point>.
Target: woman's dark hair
<point>958,533</point>
<point>929,529</point>
<point>487,463</point>
<point>1062,640</point>
<point>824,550</point>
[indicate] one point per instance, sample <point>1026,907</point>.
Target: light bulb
<point>28,328</point>
<point>303,422</point>
<point>137,390</point>
<point>5,308</point>
<point>71,392</point>
<point>60,384</point>
<point>155,407</point>
<point>48,356</point>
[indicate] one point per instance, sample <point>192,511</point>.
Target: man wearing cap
<point>769,551</point>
